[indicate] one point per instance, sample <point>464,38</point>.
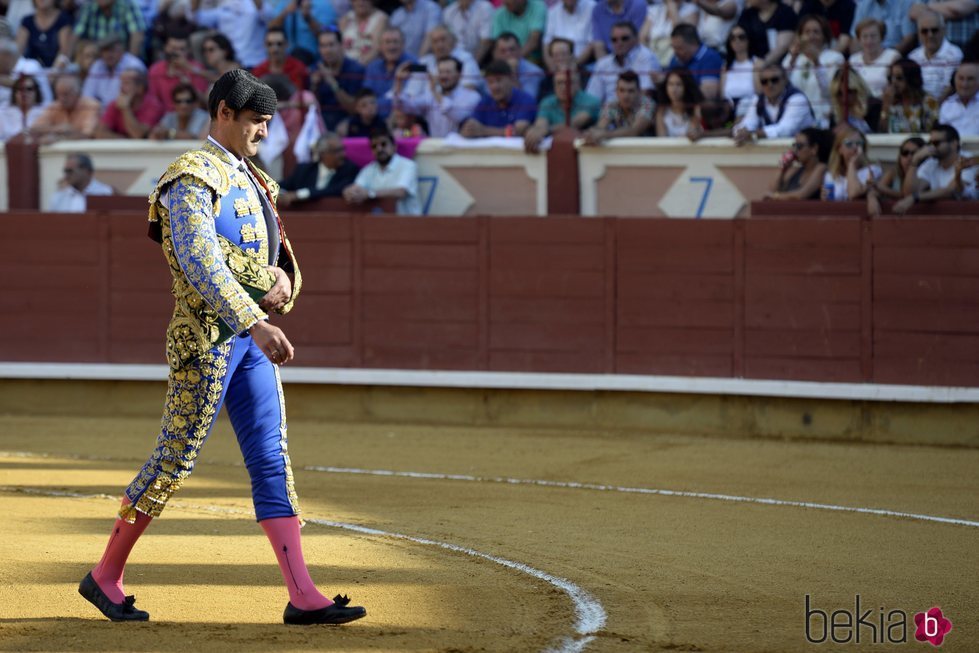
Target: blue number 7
<point>708,184</point>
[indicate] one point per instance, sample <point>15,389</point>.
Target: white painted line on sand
<point>590,616</point>
<point>641,490</point>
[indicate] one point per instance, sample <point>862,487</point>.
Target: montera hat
<point>241,90</point>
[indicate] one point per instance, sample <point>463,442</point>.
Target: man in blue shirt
<point>380,72</point>
<point>335,79</point>
<point>703,63</point>
<point>507,111</point>
<point>609,12</point>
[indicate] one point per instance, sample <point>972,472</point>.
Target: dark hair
<point>507,36</point>
<point>629,77</point>
<point>950,132</point>
<point>276,30</point>
<point>330,29</point>
<point>687,32</point>
<point>281,84</point>
<point>20,82</point>
<point>560,39</point>
<point>624,24</point>
<point>823,26</point>
<point>822,139</point>
<point>729,51</point>
<point>380,132</point>
<point>223,44</point>
<point>184,88</point>
<point>499,68</point>
<point>84,161</point>
<point>364,92</point>
<point>692,95</point>
<point>912,77</point>
<point>448,57</point>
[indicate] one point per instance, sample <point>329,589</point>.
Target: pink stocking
<point>108,573</point>
<point>283,533</point>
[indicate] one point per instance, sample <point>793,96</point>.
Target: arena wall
<point>828,299</point>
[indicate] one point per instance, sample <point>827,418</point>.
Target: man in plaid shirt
<point>102,18</point>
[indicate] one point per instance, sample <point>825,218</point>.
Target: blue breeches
<point>235,374</point>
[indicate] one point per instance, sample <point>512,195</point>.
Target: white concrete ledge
<point>525,381</point>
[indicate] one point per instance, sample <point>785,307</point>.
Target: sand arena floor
<point>571,558</point>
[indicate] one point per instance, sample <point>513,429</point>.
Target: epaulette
<point>199,164</point>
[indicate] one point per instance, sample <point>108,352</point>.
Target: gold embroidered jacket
<point>218,238</point>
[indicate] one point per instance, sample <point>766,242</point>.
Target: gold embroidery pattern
<point>202,166</point>
<point>205,288</point>
<point>284,441</point>
<point>193,399</point>
<point>245,207</point>
<point>196,326</point>
<point>248,233</point>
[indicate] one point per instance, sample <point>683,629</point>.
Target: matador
<point>214,213</point>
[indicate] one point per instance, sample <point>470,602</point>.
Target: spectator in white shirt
<point>471,21</point>
<point>102,83</point>
<point>627,54</point>
<point>76,185</point>
<point>445,104</point>
<point>12,66</point>
<point>935,171</point>
<point>717,18</point>
<point>961,109</point>
<point>388,175</point>
<point>243,24</point>
<point>873,61</point>
<point>936,55</point>
<point>442,43</point>
<point>779,111</point>
<point>571,20</point>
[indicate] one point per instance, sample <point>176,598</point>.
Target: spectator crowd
<point>824,72</point>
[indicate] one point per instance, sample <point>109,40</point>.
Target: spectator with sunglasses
<point>627,55</point>
<point>802,168</point>
<point>937,171</point>
<point>388,175</point>
<point>78,183</point>
<point>850,174</point>
<point>186,121</point>
<point>936,55</point>
<point>739,81</point>
<point>891,185</point>
<point>779,111</point>
<point>280,62</point>
<point>23,110</point>
<point>906,108</point>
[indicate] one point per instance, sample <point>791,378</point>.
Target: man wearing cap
<point>102,82</point>
<point>231,262</point>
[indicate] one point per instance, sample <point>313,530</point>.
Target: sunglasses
<point>274,44</point>
<point>929,30</point>
<point>68,171</point>
<point>768,81</point>
<point>798,146</point>
<point>621,39</point>
<point>852,143</point>
<point>937,143</point>
<point>739,37</point>
<point>908,152</point>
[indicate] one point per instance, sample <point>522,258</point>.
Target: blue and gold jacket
<point>219,236</point>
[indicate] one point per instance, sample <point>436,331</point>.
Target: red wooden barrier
<point>888,300</point>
